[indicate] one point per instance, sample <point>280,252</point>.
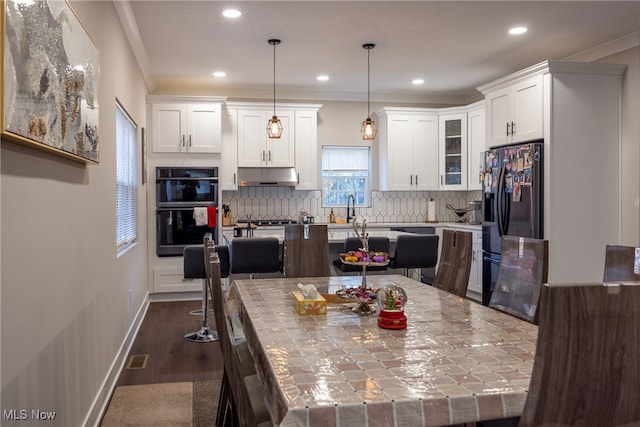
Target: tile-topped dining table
<point>457,361</point>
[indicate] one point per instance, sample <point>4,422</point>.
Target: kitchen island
<point>457,361</point>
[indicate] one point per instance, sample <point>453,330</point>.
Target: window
<point>345,171</point>
<point>126,185</point>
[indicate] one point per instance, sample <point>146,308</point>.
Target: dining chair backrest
<point>239,365</point>
<point>523,270</point>
<point>306,250</point>
<point>415,251</point>
<point>454,267</point>
<point>621,263</point>
<point>586,369</point>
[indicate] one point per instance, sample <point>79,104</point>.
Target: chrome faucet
<point>353,208</point>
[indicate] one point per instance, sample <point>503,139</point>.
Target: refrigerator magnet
<point>508,183</point>
<point>517,193</point>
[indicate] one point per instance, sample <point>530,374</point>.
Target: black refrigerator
<point>512,188</point>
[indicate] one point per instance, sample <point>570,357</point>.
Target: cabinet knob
<point>513,128</point>
<point>183,140</point>
<point>189,140</point>
<point>234,178</point>
<point>263,155</point>
<point>410,179</point>
<point>416,179</point>
<point>508,128</point>
<point>269,155</point>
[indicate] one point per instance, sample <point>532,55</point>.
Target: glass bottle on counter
<point>332,217</point>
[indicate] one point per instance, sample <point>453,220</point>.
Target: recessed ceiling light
<point>219,74</point>
<point>517,30</point>
<point>231,13</point>
<point>417,81</point>
<point>323,78</point>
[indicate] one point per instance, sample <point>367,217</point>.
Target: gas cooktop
<point>267,222</point>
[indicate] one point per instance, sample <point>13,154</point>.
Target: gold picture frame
<point>50,78</point>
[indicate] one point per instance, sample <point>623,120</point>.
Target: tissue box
<point>309,306</point>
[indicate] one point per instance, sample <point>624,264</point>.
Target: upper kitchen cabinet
<point>452,139</point>
<point>408,140</point>
<point>181,125</point>
<point>245,141</point>
<point>255,149</point>
<point>476,143</point>
<point>514,110</point>
<point>229,155</point>
<point>580,117</point>
<point>306,137</point>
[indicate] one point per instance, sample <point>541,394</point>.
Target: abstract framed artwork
<point>50,79</point>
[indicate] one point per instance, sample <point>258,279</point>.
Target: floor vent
<point>137,361</point>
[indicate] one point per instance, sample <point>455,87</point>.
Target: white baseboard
<point>101,401</point>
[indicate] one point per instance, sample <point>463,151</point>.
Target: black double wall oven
<point>182,192</point>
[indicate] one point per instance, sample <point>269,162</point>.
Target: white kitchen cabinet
<point>476,144</point>
<point>186,127</point>
<point>229,155</point>
<point>255,149</point>
<point>408,141</point>
<point>514,112</point>
<point>306,147</point>
<point>452,140</point>
<point>581,110</point>
<point>474,290</point>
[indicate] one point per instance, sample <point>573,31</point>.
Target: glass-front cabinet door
<point>453,151</point>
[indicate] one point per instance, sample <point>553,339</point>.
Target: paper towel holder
<point>431,211</point>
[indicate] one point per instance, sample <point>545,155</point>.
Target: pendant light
<point>368,129</point>
<point>274,127</point>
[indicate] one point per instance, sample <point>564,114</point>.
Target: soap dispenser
<point>332,217</point>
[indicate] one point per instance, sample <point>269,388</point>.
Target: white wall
<point>68,301</point>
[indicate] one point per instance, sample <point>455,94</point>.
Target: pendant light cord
<point>274,79</point>
<point>368,81</point>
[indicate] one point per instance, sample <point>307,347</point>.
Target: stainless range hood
<point>267,177</point>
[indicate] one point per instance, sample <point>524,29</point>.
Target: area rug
<point>183,404</point>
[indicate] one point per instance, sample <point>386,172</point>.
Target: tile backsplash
<point>387,206</point>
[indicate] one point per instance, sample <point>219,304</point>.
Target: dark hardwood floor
<point>171,358</point>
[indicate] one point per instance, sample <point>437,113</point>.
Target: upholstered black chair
<point>251,255</point>
<point>585,371</point>
<point>415,251</point>
<point>376,244</point>
<point>454,267</point>
<point>195,268</point>
<point>522,271</point>
<point>619,264</point>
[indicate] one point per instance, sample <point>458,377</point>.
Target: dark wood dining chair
<point>620,264</point>
<point>306,251</point>
<point>241,401</point>
<point>523,270</point>
<point>454,267</point>
<point>586,370</point>
<point>376,244</point>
